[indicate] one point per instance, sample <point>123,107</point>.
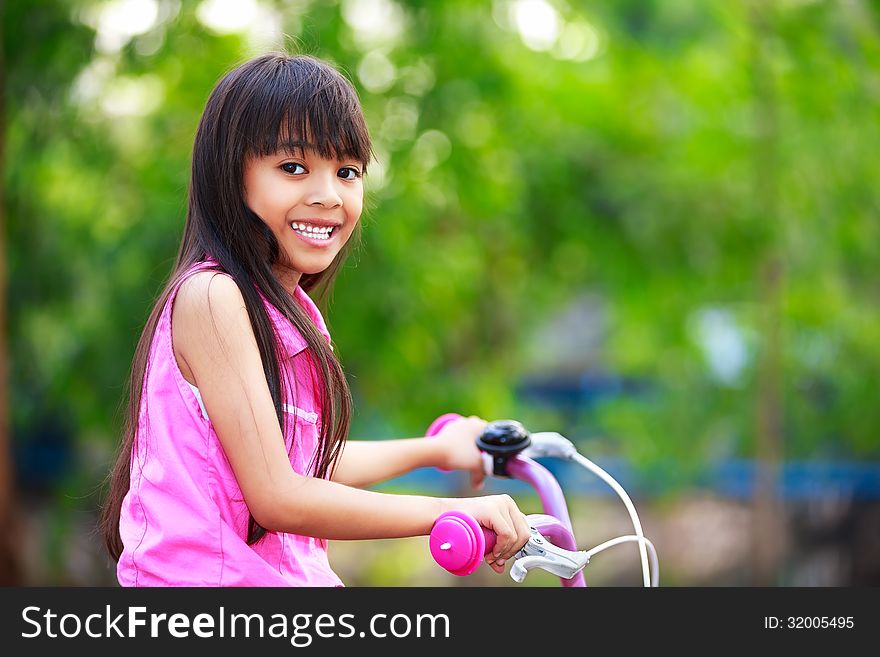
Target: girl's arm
<point>367,462</point>
<point>213,340</point>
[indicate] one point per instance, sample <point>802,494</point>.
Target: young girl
<point>234,468</point>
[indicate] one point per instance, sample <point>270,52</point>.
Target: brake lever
<point>538,552</point>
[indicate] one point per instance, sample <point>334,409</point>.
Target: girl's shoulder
<point>207,296</point>
<point>209,319</point>
<point>207,285</point>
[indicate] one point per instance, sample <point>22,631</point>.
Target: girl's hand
<point>500,514</point>
<point>458,448</point>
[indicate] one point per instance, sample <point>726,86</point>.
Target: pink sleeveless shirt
<point>184,519</point>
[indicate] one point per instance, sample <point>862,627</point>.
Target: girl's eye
<point>291,167</point>
<point>349,173</point>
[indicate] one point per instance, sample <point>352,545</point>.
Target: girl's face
<point>310,203</point>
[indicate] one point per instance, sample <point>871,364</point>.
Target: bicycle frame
<point>554,504</point>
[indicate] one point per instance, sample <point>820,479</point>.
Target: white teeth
<point>314,232</point>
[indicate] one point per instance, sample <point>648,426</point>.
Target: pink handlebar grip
<point>458,543</point>
<point>441,422</point>
<point>438,424</point>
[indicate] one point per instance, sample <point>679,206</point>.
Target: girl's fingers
<point>518,526</point>
<point>511,530</point>
<point>477,477</point>
<point>500,524</point>
<point>520,531</point>
<point>516,540</point>
<point>508,536</point>
<point>523,531</point>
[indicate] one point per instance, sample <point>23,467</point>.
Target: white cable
<point>607,478</point>
<point>655,564</point>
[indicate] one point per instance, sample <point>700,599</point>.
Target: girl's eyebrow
<point>300,147</point>
<point>296,147</point>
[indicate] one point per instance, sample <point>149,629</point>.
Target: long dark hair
<point>253,111</point>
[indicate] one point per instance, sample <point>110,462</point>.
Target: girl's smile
<point>315,232</point>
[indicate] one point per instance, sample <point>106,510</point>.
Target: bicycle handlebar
<point>460,542</point>
<point>464,552</point>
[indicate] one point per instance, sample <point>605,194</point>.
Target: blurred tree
<point>42,53</point>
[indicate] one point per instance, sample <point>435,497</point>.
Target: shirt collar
<point>287,333</point>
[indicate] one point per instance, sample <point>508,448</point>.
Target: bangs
<point>307,105</point>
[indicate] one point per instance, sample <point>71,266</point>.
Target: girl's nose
<point>324,192</point>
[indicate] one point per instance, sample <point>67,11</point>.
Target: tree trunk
<point>769,533</point>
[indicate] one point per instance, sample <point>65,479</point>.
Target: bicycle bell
<point>502,440</point>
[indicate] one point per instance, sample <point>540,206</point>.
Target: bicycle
<point>458,543</point>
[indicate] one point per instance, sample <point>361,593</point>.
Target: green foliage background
<point>670,158</point>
